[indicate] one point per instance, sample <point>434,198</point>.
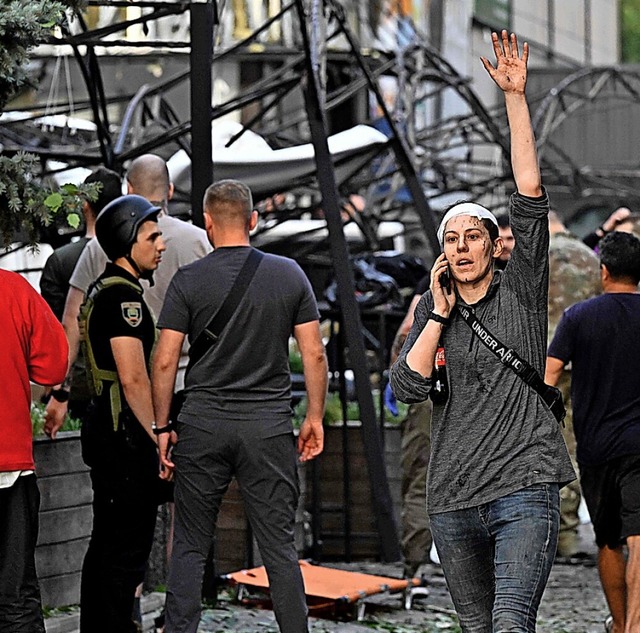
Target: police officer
<point>118,334</point>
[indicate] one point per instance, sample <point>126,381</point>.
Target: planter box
<point>333,512</point>
<point>65,517</point>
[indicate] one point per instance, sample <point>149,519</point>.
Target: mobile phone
<point>445,280</point>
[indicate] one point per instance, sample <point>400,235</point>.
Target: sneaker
<point>608,624</point>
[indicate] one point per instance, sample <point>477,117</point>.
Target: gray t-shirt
<point>246,375</point>
<point>494,435</point>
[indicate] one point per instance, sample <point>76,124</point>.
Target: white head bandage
<point>465,208</point>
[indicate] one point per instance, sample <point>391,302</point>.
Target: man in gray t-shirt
<point>236,417</point>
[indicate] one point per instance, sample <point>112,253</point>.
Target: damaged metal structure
<point>421,160</point>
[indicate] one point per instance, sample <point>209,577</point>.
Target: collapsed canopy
<point>267,171</point>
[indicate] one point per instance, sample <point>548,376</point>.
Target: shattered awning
<point>267,171</point>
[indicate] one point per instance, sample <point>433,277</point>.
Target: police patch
<point>132,312</point>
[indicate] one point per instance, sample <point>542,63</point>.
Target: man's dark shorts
<point>612,494</point>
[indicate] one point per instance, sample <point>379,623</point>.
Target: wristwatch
<point>158,430</point>
<point>61,395</point>
<point>439,318</point>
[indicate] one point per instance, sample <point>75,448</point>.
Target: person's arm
<point>410,375</point>
<point>128,354</point>
<point>561,349</point>
<point>315,368</point>
<point>163,377</point>
<point>618,216</point>
<point>403,330</point>
<point>72,305</point>
<point>90,265</point>
<point>528,272</point>
<point>421,357</point>
<point>55,411</point>
<point>409,386</point>
<point>553,370</point>
<point>510,75</point>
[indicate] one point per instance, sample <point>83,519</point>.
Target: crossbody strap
<point>209,336</point>
<point>506,355</point>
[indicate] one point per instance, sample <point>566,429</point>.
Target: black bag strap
<point>209,336</point>
<point>512,359</point>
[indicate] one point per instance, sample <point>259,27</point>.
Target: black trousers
<point>124,478</point>
<point>20,608</point>
<point>266,471</point>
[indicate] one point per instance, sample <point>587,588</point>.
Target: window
<point>493,13</point>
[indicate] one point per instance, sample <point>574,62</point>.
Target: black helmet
<point>118,223</point>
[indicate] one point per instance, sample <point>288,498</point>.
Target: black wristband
<point>159,430</point>
<point>61,395</point>
<point>440,319</point>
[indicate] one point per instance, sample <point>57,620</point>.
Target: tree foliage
<point>23,25</point>
<point>25,204</point>
<point>630,27</point>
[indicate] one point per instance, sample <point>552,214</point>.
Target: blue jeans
<point>497,558</point>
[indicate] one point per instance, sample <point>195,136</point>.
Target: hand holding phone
<point>445,280</point>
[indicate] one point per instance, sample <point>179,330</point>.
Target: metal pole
<point>346,455</point>
<point>203,15</point>
<point>436,28</point>
<point>351,321</point>
<point>396,141</point>
<point>551,30</point>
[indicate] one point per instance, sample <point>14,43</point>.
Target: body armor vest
<point>97,376</point>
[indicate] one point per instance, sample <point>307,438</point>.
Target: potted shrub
<point>339,496</point>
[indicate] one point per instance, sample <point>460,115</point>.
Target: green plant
<point>28,206</point>
<point>333,410</point>
<point>23,25</point>
<point>52,612</point>
<point>37,421</point>
<point>24,203</point>
<point>295,361</point>
<point>629,25</point>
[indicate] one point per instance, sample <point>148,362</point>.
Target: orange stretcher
<point>329,589</point>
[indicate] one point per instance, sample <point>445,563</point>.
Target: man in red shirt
<point>34,349</point>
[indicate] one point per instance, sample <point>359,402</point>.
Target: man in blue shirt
<point>600,337</point>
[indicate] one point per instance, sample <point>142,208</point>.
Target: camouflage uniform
<point>416,446</point>
<point>574,275</point>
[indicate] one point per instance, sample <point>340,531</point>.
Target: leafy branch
<point>23,25</point>
<point>24,203</point>
<point>27,206</point>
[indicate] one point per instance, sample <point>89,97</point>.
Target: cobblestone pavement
<point>573,603</point>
